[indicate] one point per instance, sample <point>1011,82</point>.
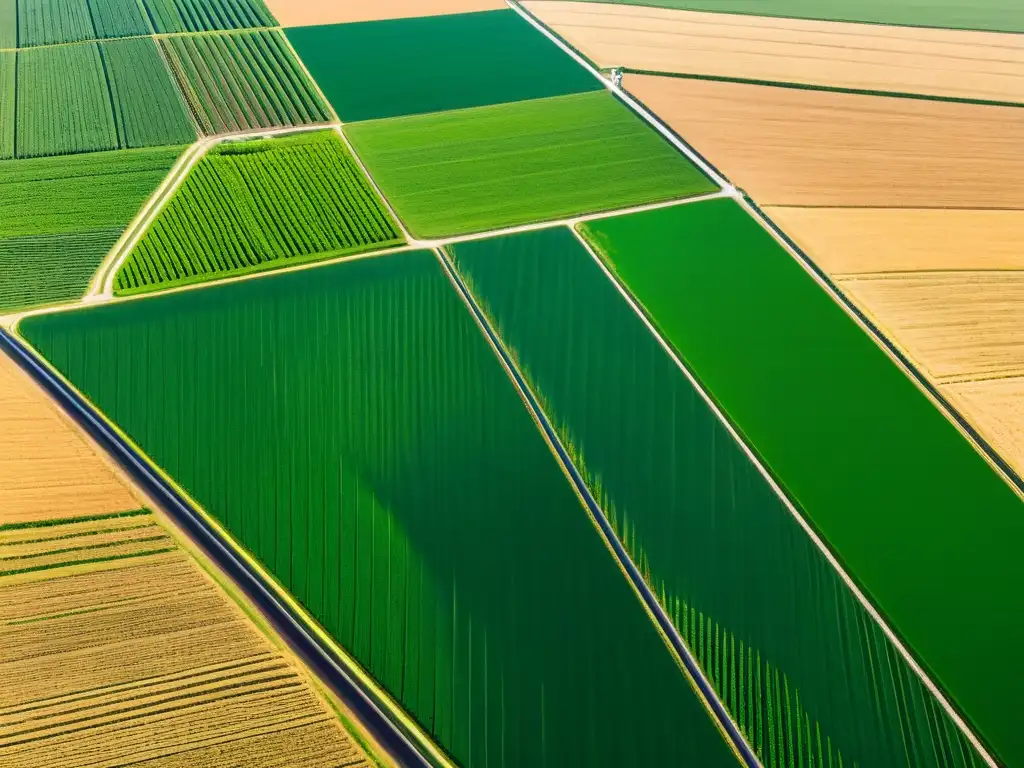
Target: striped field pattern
<point>207,15</point>
<point>8,82</point>
<point>257,205</point>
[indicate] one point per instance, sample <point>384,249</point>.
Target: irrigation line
<point>653,606</point>
<point>387,724</point>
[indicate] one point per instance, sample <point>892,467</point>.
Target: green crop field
<point>236,82</point>
<point>915,514</point>
<point>59,216</point>
<point>208,15</point>
<point>8,24</point>
<point>148,109</point>
<point>253,206</point>
<point>53,21</point>
<point>8,80</point>
<point>991,15</point>
<point>435,63</point>
<point>63,102</point>
<point>714,540</point>
<point>119,18</point>
<point>396,485</point>
<point>489,167</point>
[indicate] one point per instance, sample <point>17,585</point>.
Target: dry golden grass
<point>955,325</point>
<point>996,407</point>
<point>789,147</point>
<point>146,660</point>
<point>307,13</point>
<point>848,241</point>
<point>936,62</point>
<point>47,469</point>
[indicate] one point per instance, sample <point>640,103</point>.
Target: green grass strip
<point>35,568</point>
<point>65,520</point>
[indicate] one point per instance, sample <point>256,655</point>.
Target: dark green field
<point>915,514</point>
<point>353,429</point>
<point>378,69</point>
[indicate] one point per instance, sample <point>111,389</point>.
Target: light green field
<point>484,168</point>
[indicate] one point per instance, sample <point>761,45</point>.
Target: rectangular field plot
<point>63,102</point>
<point>811,148</point>
<point>891,485</point>
<point>258,205</point>
<point>306,14</point>
<point>8,80</point>
<point>8,23</point>
<point>716,542</point>
<point>46,22</point>
<point>148,109</point>
<point>236,82</point>
<point>491,167</point>
<point>435,63</point>
<point>119,18</point>
<point>935,62</point>
<point>397,487</point>
<point>207,15</point>
<point>60,216</point>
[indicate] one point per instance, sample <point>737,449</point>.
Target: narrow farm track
<point>651,603</point>
<point>394,732</point>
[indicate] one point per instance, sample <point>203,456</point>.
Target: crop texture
<point>435,63</point>
<point>396,485</point>
<point>489,167</point>
<point>240,81</point>
<point>806,672</point>
<point>53,21</point>
<point>881,473</point>
<point>119,18</point>
<point>60,216</point>
<point>257,205</point>
<point>8,23</point>
<point>148,109</point>
<point>8,80</point>
<point>208,15</point>
<point>63,102</point>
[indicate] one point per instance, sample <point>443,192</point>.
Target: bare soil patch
<point>308,13</point>
<point>936,62</point>
<point>794,147</point>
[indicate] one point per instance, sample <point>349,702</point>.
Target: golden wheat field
<point>115,647</point>
<point>789,147</point>
<point>306,13</point>
<point>956,325</point>
<point>937,62</point>
<point>850,241</point>
<point>46,467</point>
<point>997,410</point>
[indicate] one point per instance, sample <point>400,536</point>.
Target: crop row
<point>92,97</point>
<point>29,23</point>
<point>254,205</point>
<point>241,81</point>
<point>395,484</point>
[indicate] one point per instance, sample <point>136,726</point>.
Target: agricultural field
<point>237,82</point>
<point>437,63</point>
<point>8,80</point>
<point>256,205</point>
<point>715,541</point>
<point>936,62</point>
<point>831,409</point>
<point>94,97</point>
<point>60,216</point>
<point>170,16</point>
<point>789,147</point>
<point>992,15</point>
<point>397,487</point>
<point>53,22</point>
<point>315,12</point>
<point>489,167</point>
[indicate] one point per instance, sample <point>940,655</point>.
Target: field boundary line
<point>340,129</point>
<point>784,497</point>
<point>656,612</point>
<point>309,75</point>
<point>982,447</point>
<point>325,657</point>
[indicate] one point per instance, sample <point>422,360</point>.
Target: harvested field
<point>235,82</point>
<point>489,167</point>
<point>849,241</point>
<point>996,408</point>
<point>949,63</point>
<point>961,324</point>
<point>256,205</point>
<point>47,469</point>
<point>434,64</point>
<point>307,13</point>
<point>793,147</point>
<point>194,683</point>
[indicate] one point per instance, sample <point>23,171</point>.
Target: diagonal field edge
<point>986,450</point>
<point>367,705</point>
